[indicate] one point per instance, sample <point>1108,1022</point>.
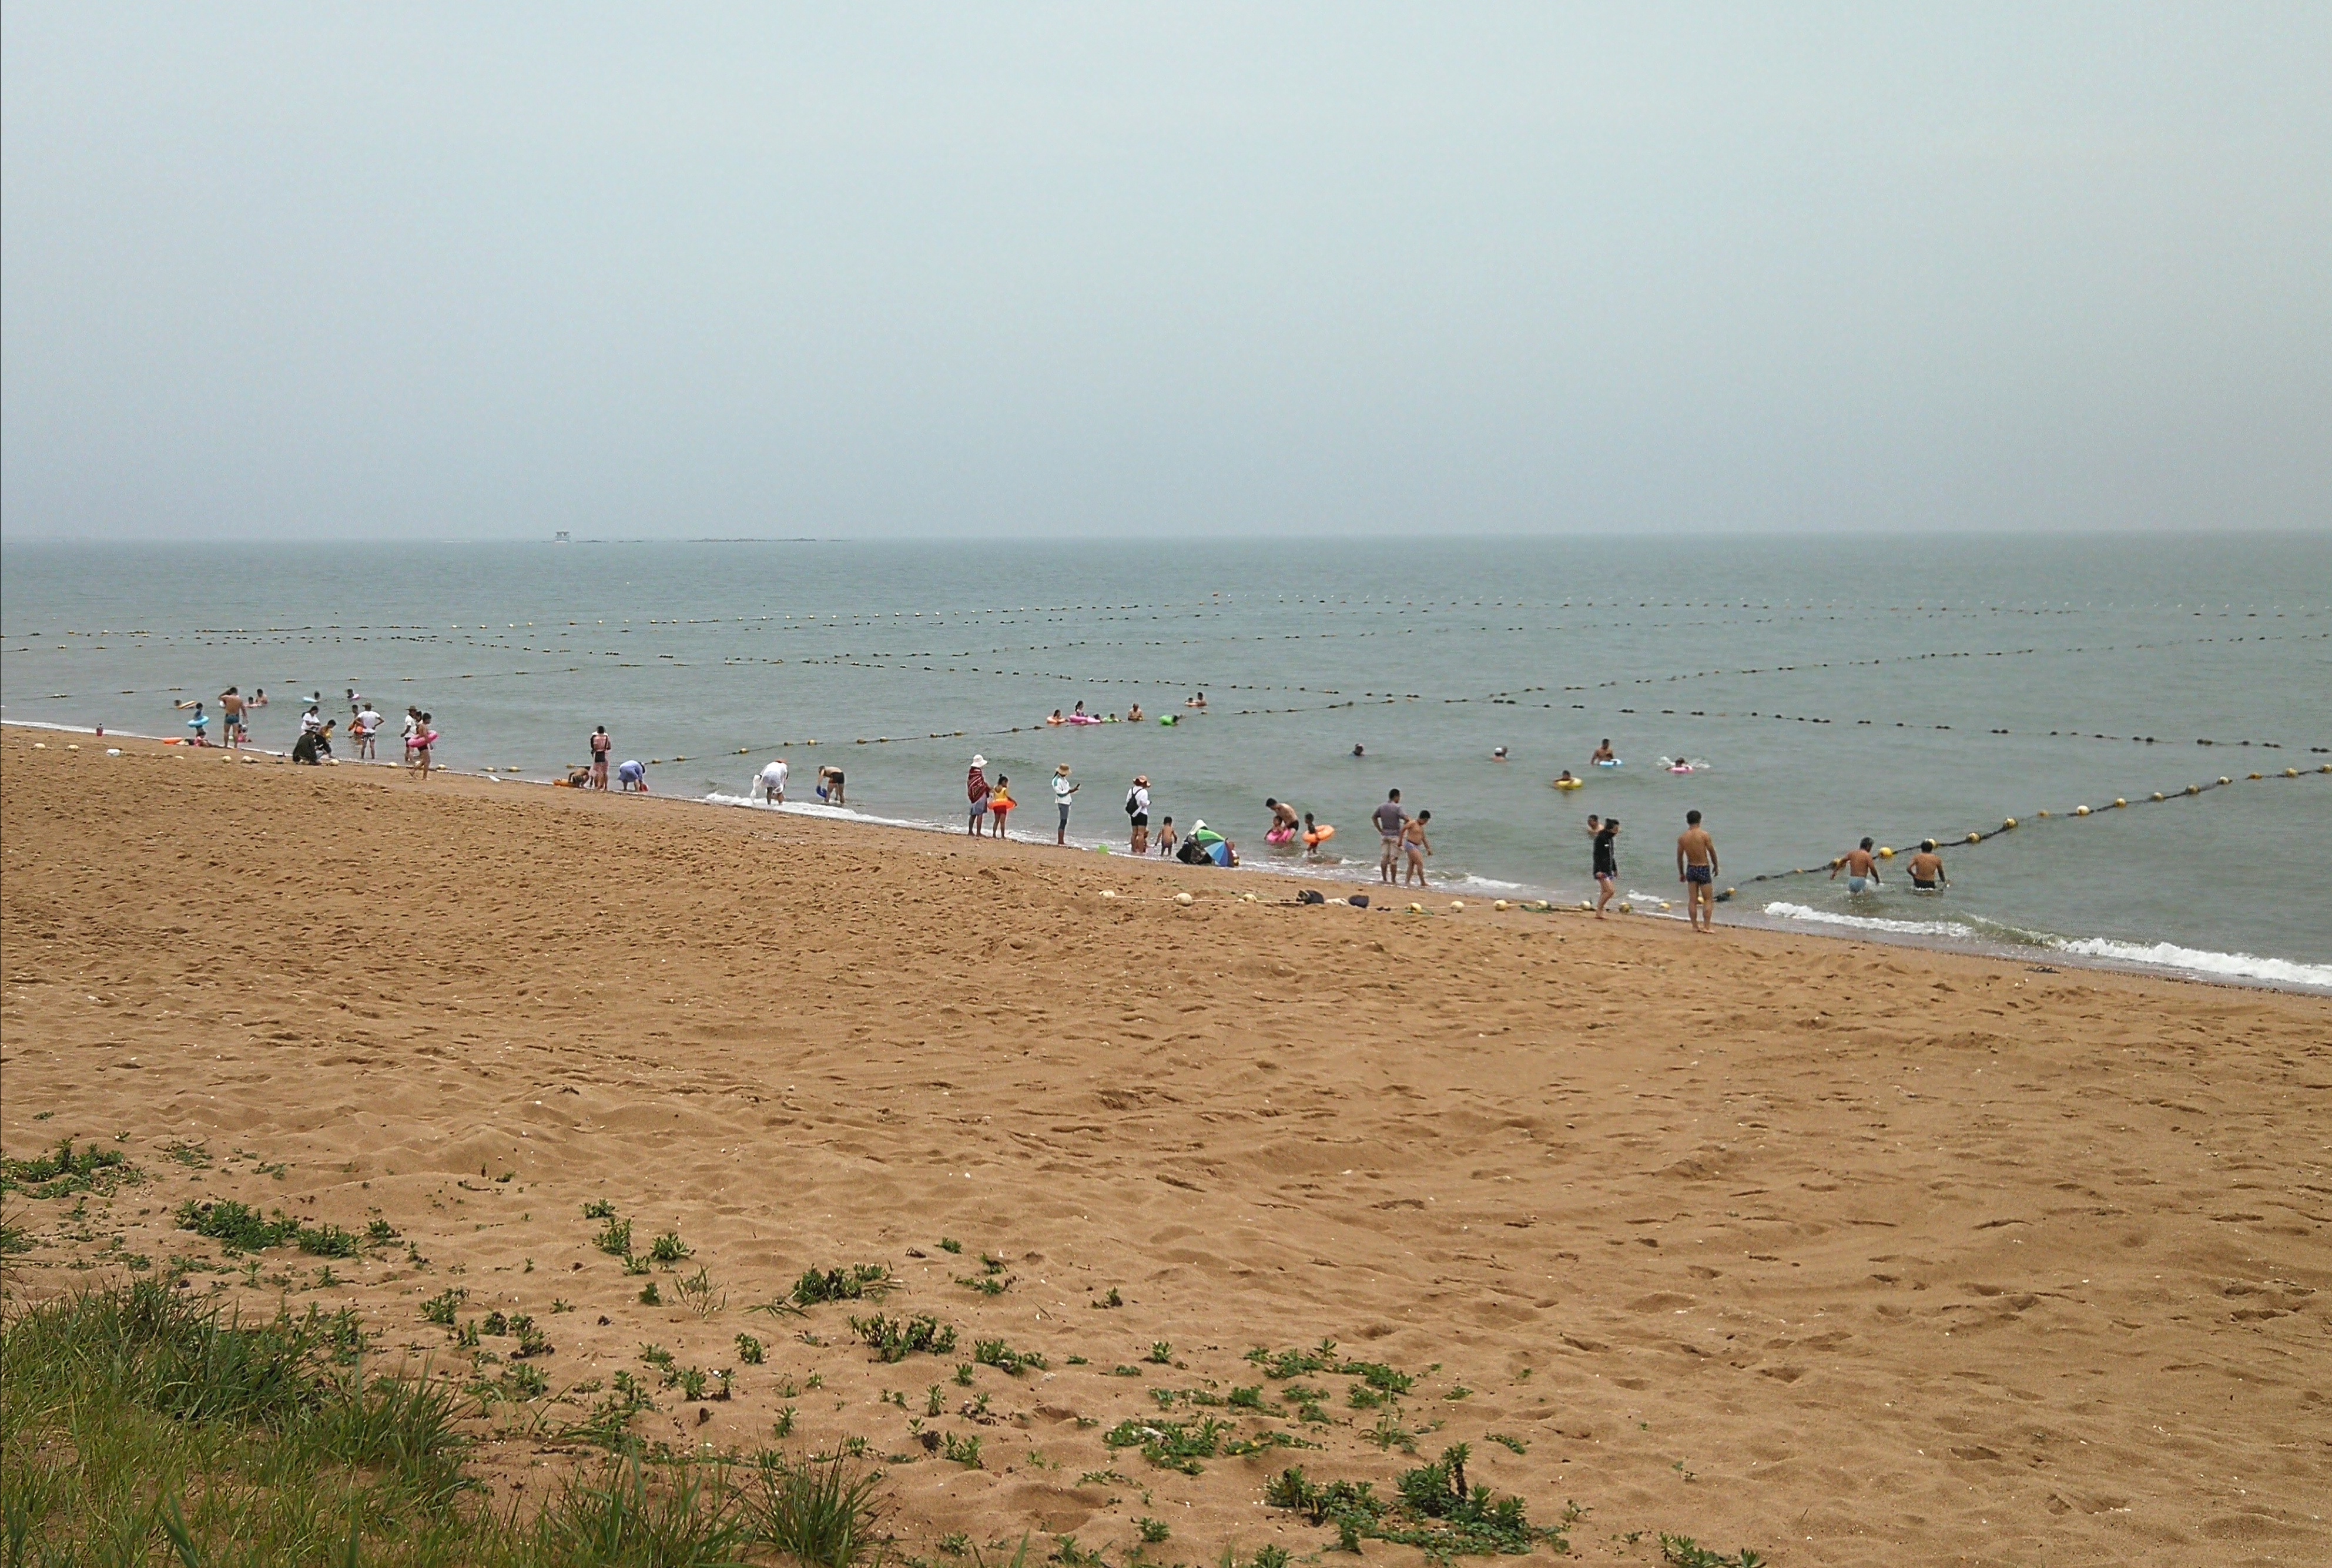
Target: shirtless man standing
<point>1697,869</point>
<point>1927,869</point>
<point>1861,868</point>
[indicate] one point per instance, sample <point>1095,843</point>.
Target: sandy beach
<point>1847,1254</point>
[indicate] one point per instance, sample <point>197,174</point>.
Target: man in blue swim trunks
<point>1697,869</point>
<point>1861,868</point>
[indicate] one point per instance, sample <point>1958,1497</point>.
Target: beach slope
<point>1847,1254</point>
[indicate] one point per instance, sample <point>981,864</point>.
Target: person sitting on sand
<point>578,777</point>
<point>999,805</point>
<point>1861,868</point>
<point>1928,869</point>
<point>632,776</point>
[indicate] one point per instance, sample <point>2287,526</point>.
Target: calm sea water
<point>1899,688</point>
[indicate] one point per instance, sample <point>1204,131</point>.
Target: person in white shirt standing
<point>1137,807</point>
<point>368,717</point>
<point>772,782</point>
<point>1062,791</point>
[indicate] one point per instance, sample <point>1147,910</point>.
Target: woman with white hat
<point>1062,791</point>
<point>1137,807</point>
<point>975,787</point>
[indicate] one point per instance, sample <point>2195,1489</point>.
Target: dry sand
<point>1849,1254</point>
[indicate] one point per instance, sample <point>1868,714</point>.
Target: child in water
<point>1001,804</point>
<point>1166,838</point>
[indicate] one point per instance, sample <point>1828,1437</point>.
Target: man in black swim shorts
<point>1697,869</point>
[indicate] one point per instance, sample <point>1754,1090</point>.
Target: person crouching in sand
<point>632,776</point>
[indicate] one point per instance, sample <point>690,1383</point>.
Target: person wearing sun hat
<point>1137,807</point>
<point>1062,791</point>
<point>975,789</point>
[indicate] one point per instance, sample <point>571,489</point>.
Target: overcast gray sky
<point>486,271</point>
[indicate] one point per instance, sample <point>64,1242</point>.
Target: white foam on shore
<point>1945,928</point>
<point>2198,960</point>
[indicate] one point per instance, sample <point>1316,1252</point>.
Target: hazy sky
<point>482,271</point>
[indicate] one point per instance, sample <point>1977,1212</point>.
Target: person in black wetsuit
<point>1607,864</point>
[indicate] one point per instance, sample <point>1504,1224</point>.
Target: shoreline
<point>1482,892</point>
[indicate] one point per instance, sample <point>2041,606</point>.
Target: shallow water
<point>1900,688</point>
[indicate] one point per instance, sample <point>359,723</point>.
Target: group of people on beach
<point>313,746</point>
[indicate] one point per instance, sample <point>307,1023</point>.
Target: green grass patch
<point>896,1339</point>
<point>65,1170</point>
<point>859,1282</point>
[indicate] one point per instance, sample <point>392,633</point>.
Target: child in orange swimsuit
<point>1000,803</point>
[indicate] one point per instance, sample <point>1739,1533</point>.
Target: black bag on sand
<point>1310,895</point>
<point>1359,900</point>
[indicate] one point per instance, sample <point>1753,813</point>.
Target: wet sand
<point>1849,1253</point>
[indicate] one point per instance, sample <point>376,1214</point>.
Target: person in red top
<point>601,744</point>
<point>975,790</point>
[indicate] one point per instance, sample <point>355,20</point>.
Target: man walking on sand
<point>1390,821</point>
<point>1697,869</point>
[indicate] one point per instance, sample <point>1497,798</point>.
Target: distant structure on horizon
<point>560,537</point>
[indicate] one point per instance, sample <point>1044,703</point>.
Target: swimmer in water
<point>1358,751</point>
<point>1566,782</point>
<point>1079,713</point>
<point>1283,816</point>
<point>1314,835</point>
<point>632,776</point>
<point>1135,714</point>
<point>1499,755</point>
<point>1198,701</point>
<point>1604,754</point>
<point>1928,869</point>
<point>1861,866</point>
<point>1056,718</point>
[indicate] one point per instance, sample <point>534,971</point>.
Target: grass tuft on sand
<point>139,1426</point>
